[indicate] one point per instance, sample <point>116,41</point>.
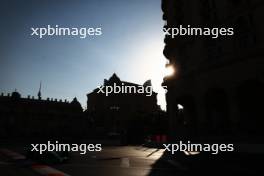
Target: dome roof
<point>15,94</point>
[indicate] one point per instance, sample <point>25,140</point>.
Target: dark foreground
<point>133,160</point>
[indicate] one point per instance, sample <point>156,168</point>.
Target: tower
<point>39,92</point>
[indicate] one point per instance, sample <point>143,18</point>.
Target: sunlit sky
<point>131,46</point>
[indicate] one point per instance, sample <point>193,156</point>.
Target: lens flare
<point>169,70</point>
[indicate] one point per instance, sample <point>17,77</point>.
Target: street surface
<point>130,160</point>
<point>111,161</point>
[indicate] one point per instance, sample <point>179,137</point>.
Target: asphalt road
<point>119,161</point>
<point>8,168</point>
<point>130,161</point>
<point>111,161</point>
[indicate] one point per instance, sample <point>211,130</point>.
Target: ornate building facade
<point>132,115</point>
<point>218,85</point>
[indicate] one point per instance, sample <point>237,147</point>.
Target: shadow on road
<point>207,164</point>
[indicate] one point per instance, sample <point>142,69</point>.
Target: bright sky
<point>131,46</point>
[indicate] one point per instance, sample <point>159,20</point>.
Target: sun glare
<point>169,70</point>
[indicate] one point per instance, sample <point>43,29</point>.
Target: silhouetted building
<point>218,84</point>
<point>127,113</point>
<point>29,117</point>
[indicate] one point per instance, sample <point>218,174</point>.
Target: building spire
<point>39,92</point>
